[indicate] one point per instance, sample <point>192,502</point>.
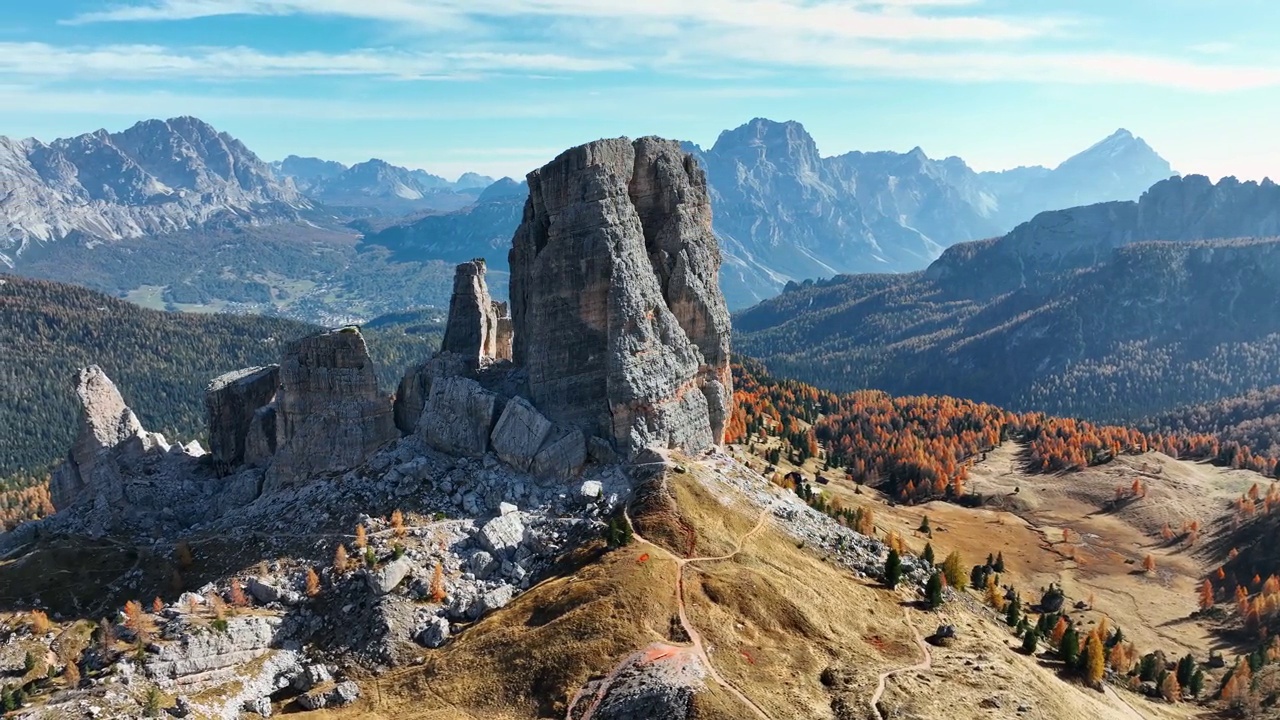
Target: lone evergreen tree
<point>1069,647</point>
<point>892,569</point>
<point>1013,615</point>
<point>999,563</point>
<point>1029,641</point>
<point>933,591</point>
<point>927,555</point>
<point>924,526</point>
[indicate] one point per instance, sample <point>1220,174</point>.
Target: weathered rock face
<point>616,310</point>
<point>105,423</point>
<point>505,332</point>
<point>472,331</point>
<point>415,387</point>
<point>119,477</point>
<point>459,417</point>
<point>231,401</point>
<point>329,413</point>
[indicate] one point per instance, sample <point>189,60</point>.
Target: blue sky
<point>500,86</point>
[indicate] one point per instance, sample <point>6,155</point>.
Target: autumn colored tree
<point>438,590</point>
<point>397,523</point>
<point>313,583</point>
<point>39,622</point>
<point>362,540</point>
<point>157,606</point>
<point>1059,630</point>
<point>1149,564</point>
<point>193,605</point>
<point>340,560</point>
<point>237,596</point>
<point>133,618</point>
<point>1095,661</point>
<point>1170,689</point>
<point>953,569</point>
<point>1206,595</point>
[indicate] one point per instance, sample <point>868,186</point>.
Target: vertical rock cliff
<point>616,311</point>
<point>472,331</point>
<point>330,415</point>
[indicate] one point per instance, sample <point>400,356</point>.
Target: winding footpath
<point>662,651</point>
<point>922,665</point>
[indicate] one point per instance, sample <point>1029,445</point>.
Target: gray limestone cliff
<point>330,414</point>
<point>617,315</point>
<point>232,400</point>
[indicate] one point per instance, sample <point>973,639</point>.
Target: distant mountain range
<point>128,211</point>
<point>379,185</point>
<point>785,213</point>
<point>1111,311</point>
<point>154,178</point>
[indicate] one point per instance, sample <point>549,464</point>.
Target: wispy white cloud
<point>142,62</point>
<point>945,40</point>
<point>883,20</point>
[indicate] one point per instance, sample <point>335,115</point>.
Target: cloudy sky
<point>500,86</point>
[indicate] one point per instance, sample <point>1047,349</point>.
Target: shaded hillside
<point>1066,314</point>
<point>1252,419</point>
<point>161,361</point>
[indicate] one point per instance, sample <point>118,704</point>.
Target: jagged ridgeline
<point>1110,312</point>
<point>161,361</point>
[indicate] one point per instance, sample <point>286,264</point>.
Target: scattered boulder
<point>340,695</point>
<point>459,417</point>
<point>617,314</point>
<point>386,578</point>
<point>482,565</point>
<point>502,534</point>
<point>330,415</point>
<point>231,401</point>
<point>520,433</point>
<point>563,455</point>
<point>497,598</point>
<point>311,677</point>
<point>263,591</point>
<point>434,634</point>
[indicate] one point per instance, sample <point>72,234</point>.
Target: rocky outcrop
<point>232,401</point>
<point>104,423</point>
<point>459,417</point>
<point>330,414</point>
<point>519,434</point>
<point>415,387</point>
<point>617,316</point>
<point>472,330</point>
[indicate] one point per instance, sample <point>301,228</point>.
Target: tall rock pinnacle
<point>473,323</point>
<point>616,309</point>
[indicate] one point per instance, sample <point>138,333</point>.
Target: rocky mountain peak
<point>617,315</point>
<point>157,176</point>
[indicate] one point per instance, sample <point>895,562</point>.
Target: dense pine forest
<point>1145,329</point>
<point>160,361</point>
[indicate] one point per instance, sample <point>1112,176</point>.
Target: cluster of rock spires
<point>617,340</point>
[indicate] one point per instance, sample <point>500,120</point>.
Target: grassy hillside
<point>161,361</point>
